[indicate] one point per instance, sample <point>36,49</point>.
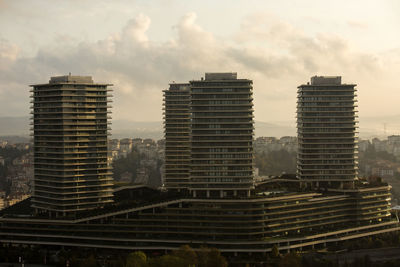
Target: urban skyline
<point>235,213</point>
<point>75,193</point>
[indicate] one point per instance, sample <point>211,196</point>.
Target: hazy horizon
<point>370,127</point>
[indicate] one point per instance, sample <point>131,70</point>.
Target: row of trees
<point>75,257</point>
<point>268,163</point>
<point>131,164</point>
<point>276,162</point>
<point>184,257</point>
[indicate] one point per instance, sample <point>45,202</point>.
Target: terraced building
<point>147,220</point>
<point>70,129</point>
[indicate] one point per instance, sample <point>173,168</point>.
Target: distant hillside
<point>125,128</point>
<point>369,127</point>
<point>14,126</point>
<point>272,129</point>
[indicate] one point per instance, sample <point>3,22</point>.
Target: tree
<point>275,252</point>
<point>291,259</point>
<point>187,254</point>
<point>168,261</point>
<point>88,262</point>
<point>211,258</point>
<point>130,163</point>
<point>276,162</point>
<point>136,259</point>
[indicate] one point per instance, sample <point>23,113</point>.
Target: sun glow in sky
<point>141,46</point>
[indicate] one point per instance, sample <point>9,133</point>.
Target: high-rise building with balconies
<point>177,137</point>
<point>70,128</point>
<point>222,132</point>
<point>327,133</point>
<point>209,136</point>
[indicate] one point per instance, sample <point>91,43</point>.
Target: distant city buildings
<point>391,145</point>
<point>150,151</point>
<point>269,144</point>
<point>17,182</point>
<point>381,166</point>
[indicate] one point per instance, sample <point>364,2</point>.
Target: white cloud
<point>357,24</point>
<point>277,55</point>
<point>8,53</point>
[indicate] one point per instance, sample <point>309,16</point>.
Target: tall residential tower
<point>209,136</point>
<point>327,133</point>
<point>177,137</point>
<point>70,128</point>
<point>221,136</point>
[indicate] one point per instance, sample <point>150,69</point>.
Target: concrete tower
<point>177,137</point>
<point>327,133</point>
<point>70,129</point>
<point>222,131</point>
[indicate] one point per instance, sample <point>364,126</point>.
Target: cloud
<point>278,56</point>
<point>8,52</point>
<point>135,30</point>
<point>357,24</point>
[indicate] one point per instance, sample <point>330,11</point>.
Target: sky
<point>141,46</point>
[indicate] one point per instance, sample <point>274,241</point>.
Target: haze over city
<point>141,46</point>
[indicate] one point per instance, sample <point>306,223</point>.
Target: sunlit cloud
<point>276,54</point>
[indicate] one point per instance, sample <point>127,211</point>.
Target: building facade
<point>154,222</point>
<point>177,137</point>
<point>221,136</point>
<point>209,136</point>
<point>327,133</point>
<point>70,129</point>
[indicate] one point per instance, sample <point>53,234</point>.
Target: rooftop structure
<point>70,129</point>
<point>71,79</point>
<point>327,133</point>
<point>220,76</point>
<point>326,80</point>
